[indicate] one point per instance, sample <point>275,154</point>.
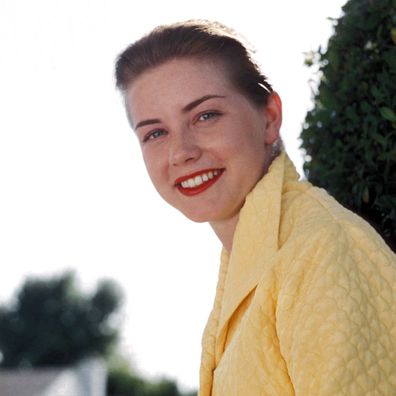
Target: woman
<point>306,292</point>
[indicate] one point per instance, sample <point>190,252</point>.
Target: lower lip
<point>201,188</point>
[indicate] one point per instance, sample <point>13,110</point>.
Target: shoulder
<point>311,216</point>
<point>333,260</point>
<point>326,246</point>
<point>336,288</point>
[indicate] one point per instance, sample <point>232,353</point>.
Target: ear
<point>273,115</point>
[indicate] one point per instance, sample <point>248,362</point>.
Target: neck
<point>225,230</point>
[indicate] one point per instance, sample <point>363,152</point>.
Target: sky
<point>74,193</point>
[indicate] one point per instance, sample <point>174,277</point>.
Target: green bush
<point>122,381</point>
<point>349,136</point>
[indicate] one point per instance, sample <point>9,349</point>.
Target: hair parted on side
<point>200,39</point>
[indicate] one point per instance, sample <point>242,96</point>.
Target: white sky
<point>73,189</point>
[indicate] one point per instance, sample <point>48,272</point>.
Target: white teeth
<point>198,180</point>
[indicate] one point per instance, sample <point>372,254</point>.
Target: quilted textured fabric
<point>305,302</point>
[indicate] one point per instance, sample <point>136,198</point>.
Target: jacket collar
<point>255,241</point>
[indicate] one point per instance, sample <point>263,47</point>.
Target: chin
<point>209,211</point>
<point>196,218</point>
<point>199,216</point>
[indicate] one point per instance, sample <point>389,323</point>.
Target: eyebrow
<point>197,102</point>
<point>148,122</point>
<point>185,109</point>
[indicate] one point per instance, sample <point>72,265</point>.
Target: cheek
<point>242,146</point>
<point>155,170</point>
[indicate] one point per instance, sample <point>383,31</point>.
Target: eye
<point>152,135</point>
<point>207,115</point>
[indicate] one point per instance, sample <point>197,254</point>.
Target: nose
<point>184,148</point>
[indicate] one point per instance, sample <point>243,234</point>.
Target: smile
<point>198,182</point>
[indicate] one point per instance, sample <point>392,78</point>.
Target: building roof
<point>85,378</point>
<point>27,382</point>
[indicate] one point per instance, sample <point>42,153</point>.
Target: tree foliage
<point>52,323</point>
<point>122,381</point>
<point>350,134</point>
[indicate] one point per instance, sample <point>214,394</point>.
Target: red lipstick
<point>198,182</point>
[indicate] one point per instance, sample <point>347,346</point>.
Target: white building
<point>88,378</point>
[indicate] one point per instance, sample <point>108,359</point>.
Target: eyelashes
<point>206,117</point>
<point>155,134</point>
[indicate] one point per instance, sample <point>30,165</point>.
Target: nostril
<point>184,152</point>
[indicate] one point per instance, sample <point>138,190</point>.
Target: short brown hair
<point>195,39</point>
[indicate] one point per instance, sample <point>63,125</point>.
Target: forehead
<point>174,84</point>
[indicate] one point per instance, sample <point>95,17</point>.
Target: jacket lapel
<point>255,243</point>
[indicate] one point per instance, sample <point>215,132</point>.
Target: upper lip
<point>198,173</point>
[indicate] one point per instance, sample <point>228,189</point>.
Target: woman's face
<point>205,145</point>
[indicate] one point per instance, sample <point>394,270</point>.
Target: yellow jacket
<point>306,300</point>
